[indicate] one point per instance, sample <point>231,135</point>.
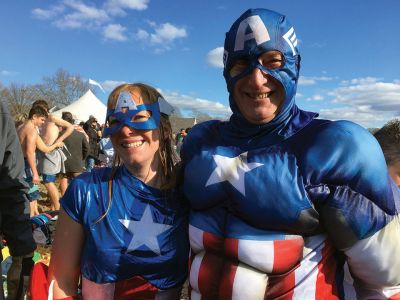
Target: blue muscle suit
<point>278,208</point>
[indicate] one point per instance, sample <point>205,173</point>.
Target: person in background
<point>15,225</point>
<point>282,199</point>
<point>106,155</point>
<point>389,140</point>
<point>30,141</point>
<point>50,164</point>
<point>180,136</point>
<point>124,229</point>
<point>76,149</point>
<point>92,132</point>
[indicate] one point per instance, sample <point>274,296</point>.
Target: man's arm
<point>44,148</point>
<point>31,138</point>
<point>85,147</point>
<point>68,128</point>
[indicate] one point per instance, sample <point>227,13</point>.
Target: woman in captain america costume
<point>124,229</point>
<point>282,199</point>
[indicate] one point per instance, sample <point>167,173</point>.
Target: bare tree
<point>19,97</point>
<point>61,89</point>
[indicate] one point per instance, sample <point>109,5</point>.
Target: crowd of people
<point>274,203</point>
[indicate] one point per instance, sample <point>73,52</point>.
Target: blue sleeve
<point>74,199</point>
<point>347,180</point>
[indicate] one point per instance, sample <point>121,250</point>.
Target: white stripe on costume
<point>376,259</point>
<point>258,254</point>
<point>194,271</point>
<point>306,274</point>
<point>249,284</point>
<point>196,239</point>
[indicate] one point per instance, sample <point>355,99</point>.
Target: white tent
<point>85,106</point>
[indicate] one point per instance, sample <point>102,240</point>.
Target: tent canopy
<point>85,106</point>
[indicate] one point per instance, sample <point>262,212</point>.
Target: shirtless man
<point>50,164</point>
<point>30,140</point>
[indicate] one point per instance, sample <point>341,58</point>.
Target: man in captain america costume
<point>281,199</point>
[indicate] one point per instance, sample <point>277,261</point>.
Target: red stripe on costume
<point>226,287</point>
<point>134,288</point>
<point>326,285</point>
<point>231,248</point>
<point>395,297</point>
<point>212,242</point>
<point>210,276</point>
<point>281,286</point>
<point>287,254</point>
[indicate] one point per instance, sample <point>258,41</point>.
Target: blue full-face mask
<point>255,32</point>
<point>127,113</point>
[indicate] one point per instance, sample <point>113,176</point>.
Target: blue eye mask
<point>127,113</point>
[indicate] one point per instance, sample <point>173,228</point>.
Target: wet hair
<point>19,119</point>
<point>42,103</point>
<point>67,116</point>
<point>39,111</point>
<point>389,140</point>
<point>168,168</point>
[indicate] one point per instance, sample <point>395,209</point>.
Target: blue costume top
<point>278,207</point>
<point>143,234</point>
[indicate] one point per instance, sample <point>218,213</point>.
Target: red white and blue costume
<point>277,208</point>
<point>136,245</point>
<point>139,249</point>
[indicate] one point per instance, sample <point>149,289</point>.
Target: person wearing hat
<point>92,132</point>
<point>281,199</point>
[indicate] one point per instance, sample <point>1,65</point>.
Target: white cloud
<point>109,85</point>
<point>101,18</point>
<point>7,73</point>
<point>163,35</point>
<point>316,97</point>
<point>305,80</point>
<point>117,7</point>
<point>366,101</point>
<point>197,105</point>
<point>115,32</point>
<point>81,15</point>
<point>215,57</point>
<point>167,33</point>
<point>47,14</point>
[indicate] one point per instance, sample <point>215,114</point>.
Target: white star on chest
<point>232,169</point>
<point>145,232</point>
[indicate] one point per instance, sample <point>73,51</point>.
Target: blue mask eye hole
<point>112,121</point>
<point>238,67</point>
<point>142,116</point>
<point>272,60</point>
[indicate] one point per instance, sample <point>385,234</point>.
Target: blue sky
<point>350,50</point>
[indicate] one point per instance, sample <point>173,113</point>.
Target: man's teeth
<point>263,95</point>
<point>133,145</point>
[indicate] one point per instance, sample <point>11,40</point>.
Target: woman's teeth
<point>133,145</point>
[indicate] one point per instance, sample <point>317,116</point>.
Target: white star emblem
<point>232,170</point>
<point>145,232</point>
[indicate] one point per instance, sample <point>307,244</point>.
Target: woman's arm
<point>65,257</point>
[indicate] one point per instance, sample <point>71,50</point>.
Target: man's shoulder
<point>27,128</point>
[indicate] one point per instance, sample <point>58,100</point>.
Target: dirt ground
<point>44,205</point>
